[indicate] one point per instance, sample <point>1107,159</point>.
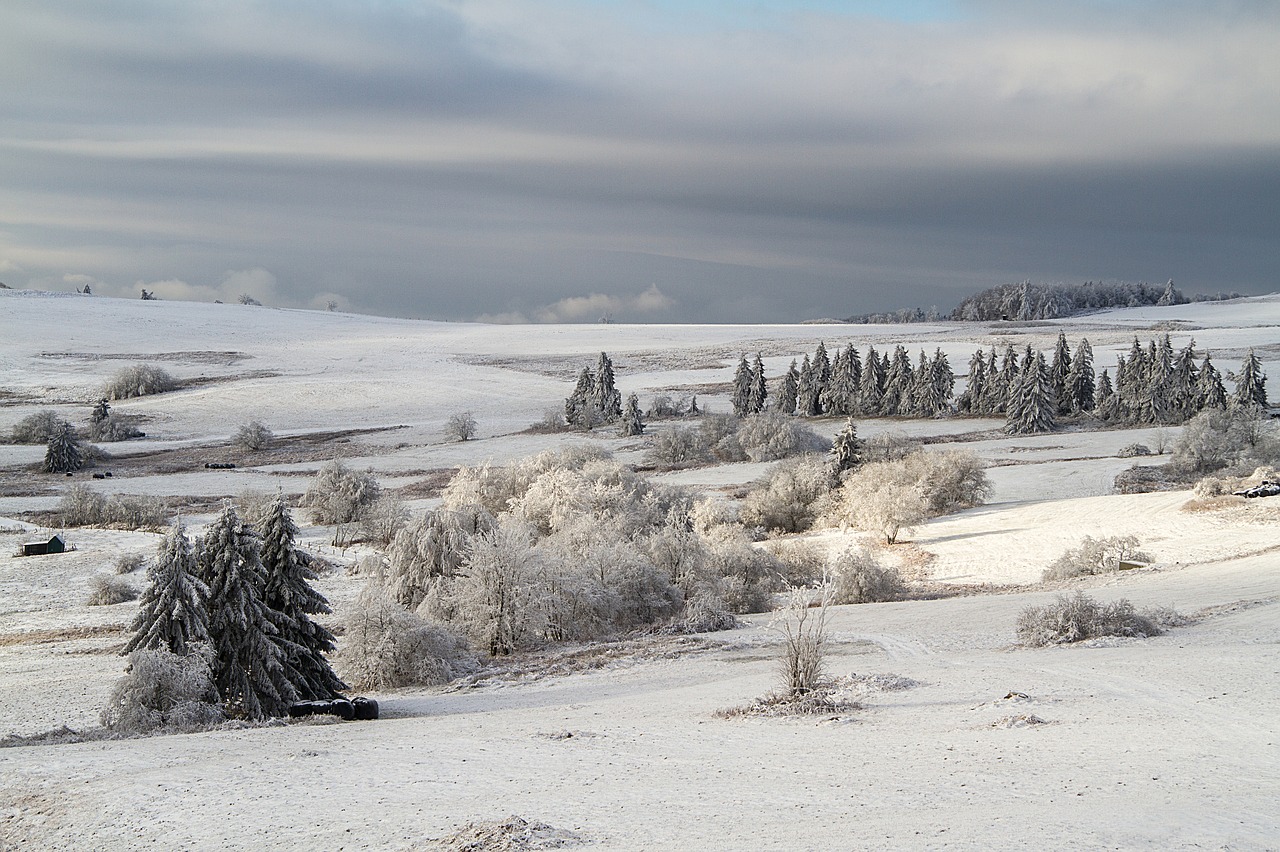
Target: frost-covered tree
<point>253,435</point>
<point>1032,403</point>
<point>1106,402</point>
<point>784,400</point>
<point>841,393</point>
<point>289,594</point>
<point>581,409</point>
<point>807,390</point>
<point>173,613</point>
<point>100,412</point>
<point>1251,383</point>
<point>632,423</point>
<point>1185,378</point>
<point>821,371</point>
<point>932,394</point>
<point>494,598</point>
<point>994,392</point>
<point>461,426</point>
<point>341,496</point>
<point>432,546</point>
<point>605,394</point>
<point>897,384</point>
<point>871,385</point>
<point>62,455</point>
<point>1059,367</point>
<point>975,383</point>
<point>882,497</point>
<point>1210,392</point>
<point>1080,381</point>
<point>759,390</point>
<point>1159,405</point>
<point>742,388</point>
<point>249,666</point>
<point>846,450</point>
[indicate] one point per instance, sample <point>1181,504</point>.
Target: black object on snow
<point>364,709</point>
<point>1266,489</point>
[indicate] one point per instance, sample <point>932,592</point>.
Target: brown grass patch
<point>66,634</point>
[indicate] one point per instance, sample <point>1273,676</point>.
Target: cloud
<point>598,306</point>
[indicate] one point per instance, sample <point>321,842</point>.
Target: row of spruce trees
<point>247,597</point>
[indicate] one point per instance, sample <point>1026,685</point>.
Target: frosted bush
<point>858,577</point>
<point>127,563</point>
<point>81,506</point>
<point>747,576</point>
<point>163,692</point>
<point>461,426</point>
<point>138,380</point>
<point>106,590</point>
<point>790,496</point>
<point>253,436</point>
<point>770,436</point>
<point>385,646</point>
<point>1095,556</point>
<point>678,447</point>
<point>888,446</point>
<point>37,428</point>
<point>114,427</point>
<point>386,517</point>
<point>135,511</point>
<point>1077,617</point>
<point>1233,438</point>
<point>434,545</point>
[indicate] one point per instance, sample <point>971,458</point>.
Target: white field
<point>1166,743</point>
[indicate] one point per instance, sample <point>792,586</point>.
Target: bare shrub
<point>254,506</point>
<point>136,511</point>
<point>858,577</point>
<point>802,563</point>
<point>1074,618</point>
<point>138,380</point>
<point>1096,556</point>
<point>888,446</point>
<point>746,576</point>
<point>37,428</point>
<point>552,421</point>
<point>253,436</point>
<point>950,479</point>
<point>127,563</point>
<point>461,426</point>
<point>703,613</point>
<point>804,636</point>
<point>107,590</point>
<point>385,646</point>
<point>163,692</point>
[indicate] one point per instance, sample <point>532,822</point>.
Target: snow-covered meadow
<point>1168,742</point>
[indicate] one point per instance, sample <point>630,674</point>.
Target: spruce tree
<point>994,392</point>
<point>581,410</point>
<point>742,388</point>
<point>897,384</point>
<point>1106,403</point>
<point>840,394</point>
<point>289,594</point>
<point>971,400</point>
<point>1080,382</point>
<point>1185,379</point>
<point>632,423</point>
<point>807,391</point>
<point>249,667</point>
<point>1210,392</point>
<point>871,385</point>
<point>1158,399</point>
<point>942,381</point>
<point>607,398</point>
<point>1033,402</point>
<point>173,613</point>
<point>759,391</point>
<point>100,411</point>
<point>821,374</point>
<point>1058,370</point>
<point>846,449</point>
<point>62,455</point>
<point>1008,376</point>
<point>1251,383</point>
<point>788,389</point>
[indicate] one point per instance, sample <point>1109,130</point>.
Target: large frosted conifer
<point>972,398</point>
<point>607,398</point>
<point>897,384</point>
<point>871,385</point>
<point>759,391</point>
<point>632,423</point>
<point>784,400</point>
<point>1158,401</point>
<point>1033,401</point>
<point>846,449</point>
<point>62,455</point>
<point>742,388</point>
<point>1080,381</point>
<point>249,666</point>
<point>807,390</point>
<point>290,596</point>
<point>1251,383</point>
<point>172,615</point>
<point>841,393</point>
<point>1058,371</point>
<point>581,410</point>
<point>1210,392</point>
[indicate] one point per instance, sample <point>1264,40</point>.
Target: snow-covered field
<point>1164,743</point>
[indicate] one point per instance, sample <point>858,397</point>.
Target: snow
<point>1169,742</point>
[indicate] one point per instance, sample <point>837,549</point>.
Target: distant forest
<point>1027,301</point>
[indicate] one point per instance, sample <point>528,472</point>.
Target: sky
<point>643,160</point>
